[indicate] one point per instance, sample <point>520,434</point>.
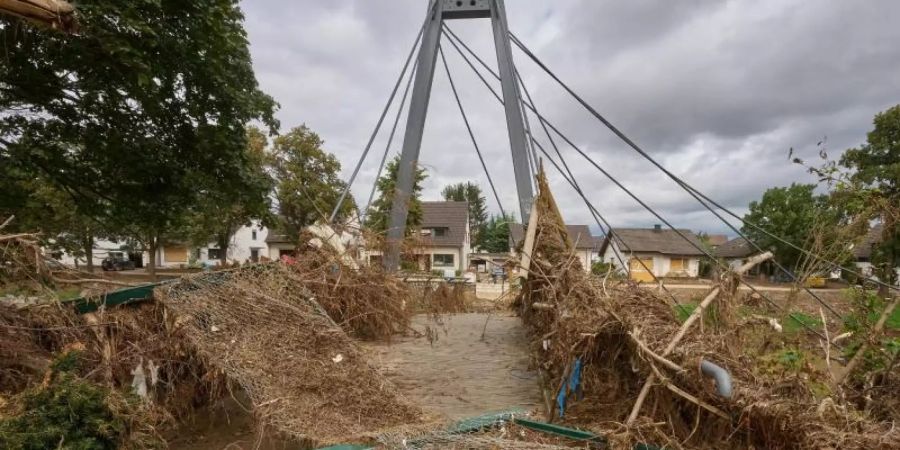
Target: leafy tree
<point>471,193</point>
<point>378,218</point>
<point>40,207</point>
<point>865,182</point>
<point>875,172</point>
<point>307,186</point>
<point>137,115</point>
<point>496,233</point>
<point>220,215</point>
<point>790,213</point>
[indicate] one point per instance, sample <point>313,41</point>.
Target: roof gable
<point>579,234</point>
<point>454,216</point>
<point>735,248</point>
<point>653,240</point>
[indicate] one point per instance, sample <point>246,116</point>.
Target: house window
<point>442,260</point>
<point>214,253</point>
<point>679,264</point>
<point>253,234</point>
<point>436,231</point>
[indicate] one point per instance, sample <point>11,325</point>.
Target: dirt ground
<point>461,374</point>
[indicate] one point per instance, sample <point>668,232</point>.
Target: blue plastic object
<point>572,386</point>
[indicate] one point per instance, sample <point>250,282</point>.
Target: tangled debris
<point>619,335</point>
<point>263,332</point>
<point>366,302</point>
<point>262,327</point>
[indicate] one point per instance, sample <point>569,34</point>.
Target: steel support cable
<point>598,217</point>
<point>387,106</point>
<point>387,147</point>
<point>530,156</point>
<point>648,208</point>
<point>453,39</point>
<point>469,129</point>
<point>678,181</point>
<point>574,183</point>
<point>782,240</point>
<point>596,214</point>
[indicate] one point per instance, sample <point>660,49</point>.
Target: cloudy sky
<point>717,91</point>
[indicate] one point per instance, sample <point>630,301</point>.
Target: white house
<point>248,243</point>
<point>863,252</point>
<point>585,243</point>
<point>665,253</point>
<point>102,249</point>
<point>445,236</point>
<point>443,242</point>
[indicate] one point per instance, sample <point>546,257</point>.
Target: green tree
<point>218,216</point>
<point>307,182</point>
<point>40,207</point>
<point>137,116</point>
<point>789,213</point>
<point>378,217</point>
<point>471,193</point>
<point>874,181</point>
<point>496,233</point>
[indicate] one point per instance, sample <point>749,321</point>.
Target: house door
<point>637,270</point>
<point>254,254</point>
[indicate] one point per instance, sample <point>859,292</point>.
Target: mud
<point>462,374</point>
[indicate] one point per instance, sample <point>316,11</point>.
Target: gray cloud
<point>717,91</point>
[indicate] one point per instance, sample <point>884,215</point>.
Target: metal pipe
<point>722,377</point>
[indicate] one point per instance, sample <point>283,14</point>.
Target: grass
<point>893,322</point>
<point>798,321</point>
<point>684,310</point>
<point>68,293</point>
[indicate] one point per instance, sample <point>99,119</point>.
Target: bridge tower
<point>438,12</point>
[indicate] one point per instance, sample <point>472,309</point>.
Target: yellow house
<point>649,252</point>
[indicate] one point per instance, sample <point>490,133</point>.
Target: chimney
<point>657,228</point>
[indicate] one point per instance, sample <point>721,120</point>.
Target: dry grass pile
<point>305,377</point>
<point>366,302</point>
<point>619,332</point>
<point>443,297</point>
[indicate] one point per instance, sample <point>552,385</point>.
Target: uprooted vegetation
<point>623,337</point>
<point>280,335</point>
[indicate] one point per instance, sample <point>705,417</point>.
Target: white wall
<point>662,264</point>
<point>458,262</point>
<point>241,244</point>
<point>102,247</point>
<point>609,256</point>
<point>274,250</point>
<point>866,269</point>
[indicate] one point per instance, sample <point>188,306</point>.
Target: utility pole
<point>438,12</point>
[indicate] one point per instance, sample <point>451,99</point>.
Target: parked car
<point>116,261</point>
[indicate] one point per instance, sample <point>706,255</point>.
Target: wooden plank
<point>528,245</point>
<point>695,315</point>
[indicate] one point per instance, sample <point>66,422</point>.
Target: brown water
<point>462,374</point>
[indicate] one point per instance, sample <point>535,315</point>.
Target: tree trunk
<point>223,249</point>
<point>151,265</point>
<point>89,252</point>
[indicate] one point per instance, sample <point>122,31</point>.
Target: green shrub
<point>68,412</point>
<point>601,268</point>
